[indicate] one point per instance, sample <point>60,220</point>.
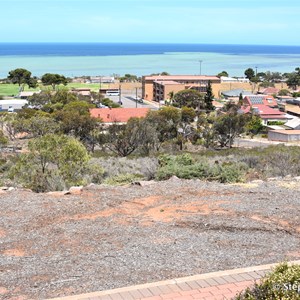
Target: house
<point>12,105</point>
<point>267,100</point>
<point>264,106</point>
<point>160,87</point>
<point>269,91</point>
<point>284,135</point>
<point>234,79</point>
<point>82,91</point>
<point>235,93</point>
<point>26,95</point>
<point>293,124</point>
<point>118,115</point>
<point>102,79</point>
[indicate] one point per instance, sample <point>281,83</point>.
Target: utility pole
<point>136,99</point>
<point>120,96</point>
<point>200,61</point>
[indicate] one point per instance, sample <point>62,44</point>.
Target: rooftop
<point>120,115</point>
<point>287,132</point>
<point>182,77</point>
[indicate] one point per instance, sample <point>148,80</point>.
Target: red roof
<point>270,91</point>
<point>121,115</point>
<point>260,100</point>
<point>263,111</point>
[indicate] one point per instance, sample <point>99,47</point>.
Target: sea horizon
<point>83,59</point>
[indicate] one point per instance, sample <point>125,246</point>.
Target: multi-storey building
<point>159,88</point>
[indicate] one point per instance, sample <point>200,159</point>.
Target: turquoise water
<point>144,64</point>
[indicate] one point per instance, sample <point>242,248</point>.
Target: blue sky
<point>154,21</point>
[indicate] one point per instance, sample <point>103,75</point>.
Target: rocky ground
<point>106,237</point>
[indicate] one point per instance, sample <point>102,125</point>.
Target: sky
<point>265,22</point>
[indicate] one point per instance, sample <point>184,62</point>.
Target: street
<point>129,101</point>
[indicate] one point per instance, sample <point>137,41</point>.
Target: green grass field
<point>13,89</point>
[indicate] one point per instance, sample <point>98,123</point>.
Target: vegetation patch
<point>282,283</point>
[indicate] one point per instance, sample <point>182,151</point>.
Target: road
<point>252,143</point>
<point>128,101</point>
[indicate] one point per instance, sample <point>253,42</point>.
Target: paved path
<point>211,286</point>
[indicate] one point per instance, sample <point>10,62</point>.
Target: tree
<point>189,98</point>
<point>36,126</point>
<point>228,126</point>
<point>254,125</point>
<point>53,80</point>
<point>241,100</point>
<point>3,139</point>
<point>39,100</point>
<point>122,139</point>
<point>293,79</point>
<point>185,130</point>
<point>208,98</point>
<point>223,74</point>
<point>53,162</point>
<point>22,77</point>
<point>166,122</point>
<point>266,84</point>
<point>249,73</point>
<point>283,92</point>
<point>75,120</point>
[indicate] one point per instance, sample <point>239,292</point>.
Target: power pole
<point>136,99</point>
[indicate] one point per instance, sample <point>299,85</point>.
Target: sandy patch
<point>14,252</point>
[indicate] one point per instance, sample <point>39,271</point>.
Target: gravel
<point>55,245</point>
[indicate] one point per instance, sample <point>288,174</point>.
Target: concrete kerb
<point>174,281</point>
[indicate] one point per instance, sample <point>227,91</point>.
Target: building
<point>82,91</point>
<point>264,106</point>
<point>235,94</point>
<point>251,100</point>
<point>118,115</point>
<point>26,95</point>
<point>102,79</point>
<point>293,124</point>
<point>284,135</point>
<point>158,88</point>
<point>234,79</point>
<point>12,105</point>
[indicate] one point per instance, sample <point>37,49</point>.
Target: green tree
<point>189,98</point>
<point>22,77</point>
<point>249,73</point>
<point>293,79</point>
<point>38,125</point>
<point>3,140</point>
<point>208,98</point>
<point>75,120</point>
<point>122,139</point>
<point>223,74</point>
<point>53,162</point>
<point>39,100</point>
<point>254,125</point>
<point>283,92</point>
<point>228,126</point>
<point>54,80</point>
<point>166,121</point>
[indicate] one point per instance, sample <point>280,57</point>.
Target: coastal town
<point>111,187</point>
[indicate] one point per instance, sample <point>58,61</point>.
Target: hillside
<point>106,237</point>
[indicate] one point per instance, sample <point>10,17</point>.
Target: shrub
<point>183,166</point>
<point>122,179</point>
<point>282,283</point>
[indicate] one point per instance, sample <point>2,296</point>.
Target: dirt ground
<point>106,237</point>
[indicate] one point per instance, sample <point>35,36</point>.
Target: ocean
<point>78,59</point>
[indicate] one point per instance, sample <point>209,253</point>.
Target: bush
<point>184,166</point>
<point>146,167</point>
<point>282,283</point>
<point>122,179</point>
